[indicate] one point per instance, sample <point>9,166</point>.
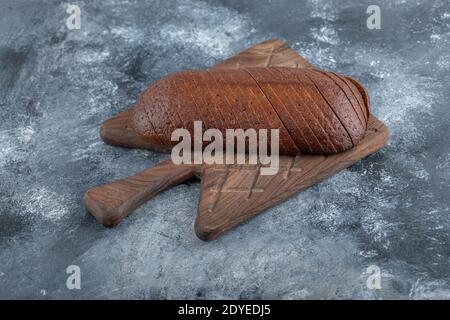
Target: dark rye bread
<point>328,119</point>
<point>316,112</point>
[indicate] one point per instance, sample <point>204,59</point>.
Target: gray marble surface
<point>57,85</point>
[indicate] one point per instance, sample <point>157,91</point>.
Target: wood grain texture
<point>230,194</point>
<point>112,202</point>
<point>274,52</point>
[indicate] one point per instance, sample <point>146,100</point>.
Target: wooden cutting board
<point>230,194</point>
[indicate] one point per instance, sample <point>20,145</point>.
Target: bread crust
<point>316,112</point>
<point>330,123</point>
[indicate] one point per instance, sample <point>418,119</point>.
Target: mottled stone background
<point>58,85</point>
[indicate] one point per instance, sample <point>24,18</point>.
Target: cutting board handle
<point>112,202</point>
